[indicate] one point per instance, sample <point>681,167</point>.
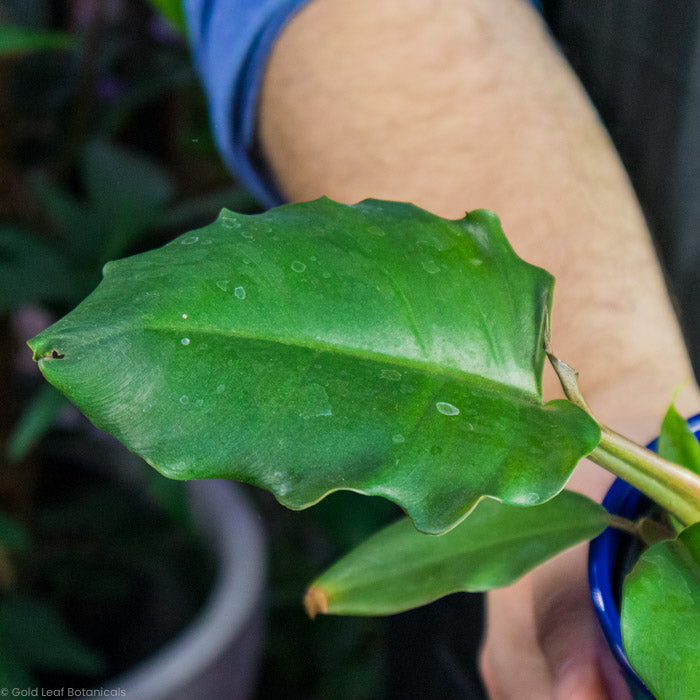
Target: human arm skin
<point>462,104</point>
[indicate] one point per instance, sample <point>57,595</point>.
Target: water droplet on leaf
<point>313,402</point>
<point>447,409</point>
<point>526,499</point>
<point>430,266</point>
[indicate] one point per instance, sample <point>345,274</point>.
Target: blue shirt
<point>231,41</point>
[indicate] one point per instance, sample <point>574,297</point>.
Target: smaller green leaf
<point>116,176</point>
<point>32,271</point>
<point>169,73</point>
<point>677,443</point>
<point>18,40</point>
<point>170,496</point>
<point>192,211</point>
<point>37,418</point>
<point>127,190</point>
<point>80,229</point>
<point>172,11</point>
<point>661,616</point>
<point>42,640</point>
<point>13,536</point>
<point>14,671</point>
<point>400,568</point>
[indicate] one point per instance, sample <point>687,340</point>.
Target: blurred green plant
<point>18,40</point>
<point>126,197</point>
<point>172,11</point>
<point>33,636</point>
<point>105,151</point>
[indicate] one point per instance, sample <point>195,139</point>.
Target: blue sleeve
<point>231,41</point>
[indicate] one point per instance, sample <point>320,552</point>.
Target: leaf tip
<point>43,349</point>
<point>52,354</point>
<point>315,602</point>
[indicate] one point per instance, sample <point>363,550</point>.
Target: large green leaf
<point>661,616</point>
<point>318,347</point>
<point>400,568</point>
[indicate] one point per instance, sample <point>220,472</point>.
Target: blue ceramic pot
<point>605,563</point>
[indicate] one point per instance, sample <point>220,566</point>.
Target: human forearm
<point>455,105</point>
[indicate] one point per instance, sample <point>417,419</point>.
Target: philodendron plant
<point>381,349</point>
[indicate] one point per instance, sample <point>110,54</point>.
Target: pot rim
<point>622,499</point>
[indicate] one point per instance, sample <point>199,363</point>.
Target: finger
<point>614,680</point>
<point>568,632</point>
<point>511,662</point>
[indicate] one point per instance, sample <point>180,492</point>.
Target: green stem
<point>646,529</point>
<point>673,487</point>
<point>623,524</point>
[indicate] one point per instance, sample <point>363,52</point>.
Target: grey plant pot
<point>216,657</point>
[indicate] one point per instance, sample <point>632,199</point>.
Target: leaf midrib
<point>424,366</point>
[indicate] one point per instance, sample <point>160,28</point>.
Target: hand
<point>543,640</point>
